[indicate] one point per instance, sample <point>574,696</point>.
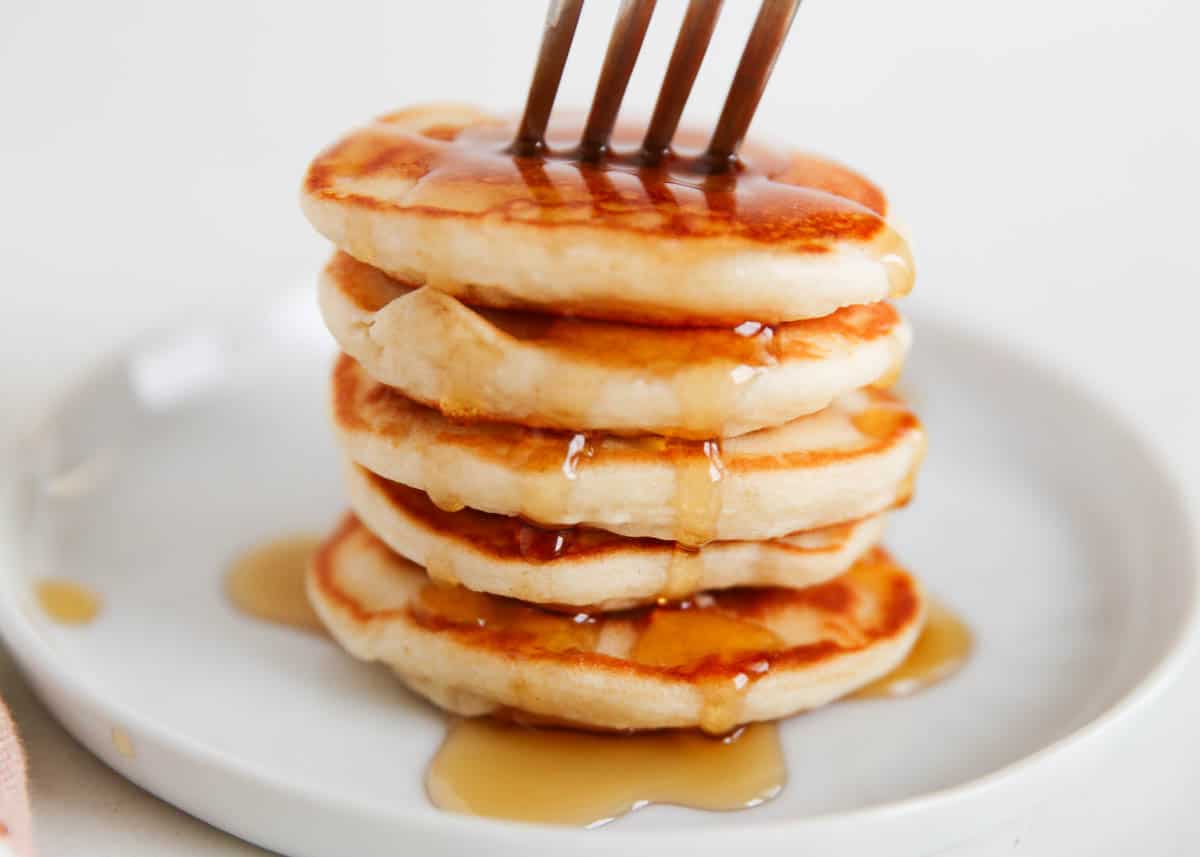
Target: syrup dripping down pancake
<point>853,459</point>
<point>580,568</point>
<point>715,662</point>
<point>584,375</point>
<point>431,196</point>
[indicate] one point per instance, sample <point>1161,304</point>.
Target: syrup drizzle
<point>556,776</point>
<point>549,498</point>
<point>693,636</point>
<point>794,201</point>
<point>698,497</point>
<point>707,399</point>
<point>880,422</point>
<point>684,574</point>
<point>440,603</point>
<point>440,567</point>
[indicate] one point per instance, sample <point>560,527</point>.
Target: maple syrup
<point>720,643</point>
<point>880,423</point>
<point>499,535</point>
<point>439,565</point>
<point>500,770</point>
<point>123,743</point>
<point>497,769</point>
<point>267,582</point>
<point>940,651</point>
<point>67,602</point>
<point>684,573</point>
<point>698,475</point>
<point>718,651</point>
<point>524,627</point>
<point>693,637</point>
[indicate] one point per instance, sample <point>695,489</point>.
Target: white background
<point>1043,152</point>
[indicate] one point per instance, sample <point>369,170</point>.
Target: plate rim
<point>36,656</point>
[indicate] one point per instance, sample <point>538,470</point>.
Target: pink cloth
<point>16,825</point>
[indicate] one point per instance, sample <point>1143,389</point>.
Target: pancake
<point>720,661</point>
<point>853,459</point>
<point>585,375</point>
<point>430,195</point>
<point>578,567</point>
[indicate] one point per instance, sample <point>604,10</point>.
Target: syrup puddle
<point>66,602</point>
<point>123,743</point>
<point>497,769</point>
<point>558,776</point>
<point>941,650</point>
<point>554,776</point>
<point>267,582</point>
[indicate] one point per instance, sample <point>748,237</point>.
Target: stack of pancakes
<point>618,441</point>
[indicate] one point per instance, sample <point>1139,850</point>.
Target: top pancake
<point>430,195</point>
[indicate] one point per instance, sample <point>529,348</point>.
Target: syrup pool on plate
<point>67,602</point>
<point>498,769</point>
<point>267,582</point>
<point>558,776</point>
<point>941,650</point>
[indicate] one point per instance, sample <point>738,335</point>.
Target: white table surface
<point>1043,154</point>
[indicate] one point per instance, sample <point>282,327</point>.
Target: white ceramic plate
<point>1039,517</point>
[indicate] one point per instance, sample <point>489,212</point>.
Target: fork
<point>758,59</point>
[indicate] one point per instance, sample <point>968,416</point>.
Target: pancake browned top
<point>462,170</point>
<point>432,193</point>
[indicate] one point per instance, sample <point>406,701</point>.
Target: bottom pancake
<point>715,662</point>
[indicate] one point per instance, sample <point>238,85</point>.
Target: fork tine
<point>623,49</point>
<point>561,20</point>
<point>690,47</point>
<point>758,59</point>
